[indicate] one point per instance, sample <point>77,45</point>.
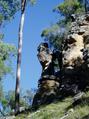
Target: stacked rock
<point>49,83</point>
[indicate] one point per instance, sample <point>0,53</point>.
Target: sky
<point>37,18</point>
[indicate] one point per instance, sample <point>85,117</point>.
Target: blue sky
<point>37,18</point>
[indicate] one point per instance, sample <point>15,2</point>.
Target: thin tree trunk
<point>18,73</point>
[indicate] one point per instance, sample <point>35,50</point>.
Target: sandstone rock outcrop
<point>49,83</point>
<point>75,54</point>
<point>73,76</point>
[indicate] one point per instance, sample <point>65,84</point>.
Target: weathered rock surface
<point>49,83</point>
<point>73,76</point>
<point>48,89</point>
<point>76,54</point>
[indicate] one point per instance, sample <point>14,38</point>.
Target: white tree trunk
<point>20,40</point>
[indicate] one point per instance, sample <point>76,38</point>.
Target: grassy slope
<point>58,109</point>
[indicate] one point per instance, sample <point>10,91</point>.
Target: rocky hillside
<point>68,89</point>
<point>63,109</point>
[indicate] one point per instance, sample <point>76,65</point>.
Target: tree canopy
<point>65,9</point>
<point>6,52</point>
<point>69,7</point>
<point>8,8</point>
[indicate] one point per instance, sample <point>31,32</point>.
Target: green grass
<point>58,109</point>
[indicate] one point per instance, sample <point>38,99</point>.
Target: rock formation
<point>73,76</point>
<point>75,55</point>
<point>49,83</point>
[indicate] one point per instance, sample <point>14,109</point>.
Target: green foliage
<point>47,31</point>
<point>10,98</point>
<point>53,35</point>
<point>8,8</point>
<point>69,7</point>
<point>65,9</point>
<point>61,108</point>
<point>6,53</point>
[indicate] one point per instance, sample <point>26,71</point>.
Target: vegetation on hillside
<point>62,108</point>
<point>54,35</point>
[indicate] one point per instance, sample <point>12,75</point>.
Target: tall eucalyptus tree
<point>20,40</point>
